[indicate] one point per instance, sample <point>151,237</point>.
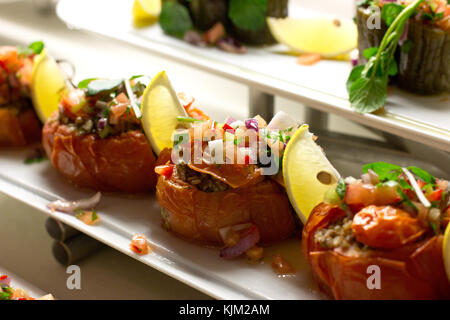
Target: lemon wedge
<point>47,85</point>
<point>328,37</point>
<point>446,251</point>
<point>146,10</point>
<point>307,173</point>
<point>160,109</point>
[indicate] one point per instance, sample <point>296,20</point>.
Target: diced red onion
<point>252,124</point>
<point>71,206</point>
<point>102,123</point>
<point>6,281</point>
<point>194,38</point>
<point>224,231</point>
<point>229,120</point>
<point>230,44</point>
<point>249,240</point>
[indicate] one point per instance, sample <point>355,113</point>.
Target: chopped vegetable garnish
<point>139,244</point>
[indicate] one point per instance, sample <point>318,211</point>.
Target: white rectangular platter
<point>322,86</point>
<point>122,216</point>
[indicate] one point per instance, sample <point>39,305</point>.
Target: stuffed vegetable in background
<point>19,124</point>
<point>423,53</point>
<point>225,23</point>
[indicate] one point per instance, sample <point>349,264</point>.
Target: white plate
<point>121,217</point>
<point>322,86</point>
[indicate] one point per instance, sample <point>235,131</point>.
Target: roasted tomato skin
<point>198,216</point>
<point>19,130</point>
<point>118,163</point>
<point>412,271</point>
<point>386,227</point>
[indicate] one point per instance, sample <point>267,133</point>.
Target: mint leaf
<point>385,171</point>
<point>248,14</point>
<point>368,94</point>
<point>392,69</point>
<point>355,74</point>
<point>390,12</point>
<point>96,86</point>
<point>174,19</point>
<point>370,52</point>
<point>37,47</point>
<point>422,174</point>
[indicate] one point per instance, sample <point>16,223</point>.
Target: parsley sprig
<point>367,84</point>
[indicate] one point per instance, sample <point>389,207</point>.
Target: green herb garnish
<point>34,48</point>
<point>341,188</point>
<point>5,296</point>
<point>105,132</point>
<point>248,14</point>
<point>406,200</point>
<point>367,84</point>
<point>174,19</point>
<point>385,171</point>
<point>433,226</point>
<point>34,159</point>
<point>94,215</point>
<point>390,12</point>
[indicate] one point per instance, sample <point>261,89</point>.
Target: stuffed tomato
<point>19,125</point>
<point>224,195</point>
<point>95,139</point>
<point>381,237</point>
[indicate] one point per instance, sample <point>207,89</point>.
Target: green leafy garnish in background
<point>34,48</point>
<point>248,14</point>
<point>391,172</point>
<point>390,12</point>
<point>367,84</point>
<point>174,19</point>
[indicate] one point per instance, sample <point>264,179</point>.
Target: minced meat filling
<point>201,181</point>
<point>85,126</point>
<point>338,235</point>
